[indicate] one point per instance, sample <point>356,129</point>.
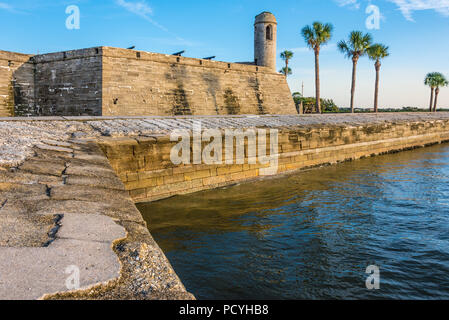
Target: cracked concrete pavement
<point>63,207</point>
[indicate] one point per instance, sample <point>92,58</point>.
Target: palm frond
<point>378,51</point>
<point>431,79</point>
<point>344,48</point>
<point>286,55</point>
<point>285,71</point>
<point>357,45</point>
<point>308,34</point>
<point>317,34</point>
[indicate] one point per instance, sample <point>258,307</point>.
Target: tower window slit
<point>269,32</point>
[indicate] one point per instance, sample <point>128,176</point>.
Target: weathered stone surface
<point>90,227</point>
<point>90,170</point>
<point>105,183</point>
<point>32,273</point>
<point>19,229</point>
<point>102,231</point>
<point>117,82</point>
<point>16,75</point>
<point>116,209</point>
<point>26,177</point>
<point>148,174</point>
<point>18,137</point>
<point>85,193</point>
<point>132,86</point>
<point>69,83</point>
<point>82,219</point>
<point>44,167</point>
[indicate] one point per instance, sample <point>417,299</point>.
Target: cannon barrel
<point>179,53</point>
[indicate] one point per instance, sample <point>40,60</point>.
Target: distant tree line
<point>357,45</point>
<point>308,104</point>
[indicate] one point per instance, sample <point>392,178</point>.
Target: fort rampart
<point>108,81</point>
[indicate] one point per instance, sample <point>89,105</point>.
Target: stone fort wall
<point>16,82</point>
<point>108,81</point>
<point>142,83</point>
<point>69,83</point>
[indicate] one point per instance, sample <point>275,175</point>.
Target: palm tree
<point>355,48</point>
<point>286,71</point>
<point>297,97</point>
<point>317,35</point>
<point>377,52</point>
<point>440,81</point>
<point>286,56</point>
<point>430,81</point>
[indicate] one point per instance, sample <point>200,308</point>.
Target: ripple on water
<point>311,235</point>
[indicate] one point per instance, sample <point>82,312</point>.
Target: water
<point>312,235</point>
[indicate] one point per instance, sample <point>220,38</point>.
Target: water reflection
<point>311,235</point>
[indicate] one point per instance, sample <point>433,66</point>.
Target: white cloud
<point>142,9</point>
<point>352,3</point>
<point>5,6</point>
<point>407,7</point>
<point>139,8</point>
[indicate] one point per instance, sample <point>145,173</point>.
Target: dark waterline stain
<point>312,235</point>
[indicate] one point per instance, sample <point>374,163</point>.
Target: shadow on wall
<point>211,91</point>
<point>181,104</point>
<point>231,101</point>
<point>213,87</point>
<point>23,90</point>
<point>58,84</point>
<point>254,83</point>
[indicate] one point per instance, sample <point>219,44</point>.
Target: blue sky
<point>417,32</point>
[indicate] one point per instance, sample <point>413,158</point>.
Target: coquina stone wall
<point>69,83</point>
<point>16,83</point>
<point>108,81</point>
<point>144,165</point>
<point>64,83</point>
<point>142,83</point>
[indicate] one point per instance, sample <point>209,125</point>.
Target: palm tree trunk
<point>376,91</point>
<point>286,68</point>
<point>354,75</point>
<point>431,98</point>
<point>317,80</point>
<point>432,91</point>
<point>437,91</point>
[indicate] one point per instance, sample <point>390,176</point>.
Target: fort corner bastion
<point>107,81</point>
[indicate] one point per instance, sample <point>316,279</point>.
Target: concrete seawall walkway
<point>63,209</point>
<point>64,213</point>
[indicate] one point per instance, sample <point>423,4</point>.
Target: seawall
<point>68,187</point>
<point>144,165</point>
